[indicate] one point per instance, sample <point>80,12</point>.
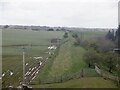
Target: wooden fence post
<point>61,78</point>
<point>82,73</point>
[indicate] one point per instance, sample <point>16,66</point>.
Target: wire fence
<point>105,74</point>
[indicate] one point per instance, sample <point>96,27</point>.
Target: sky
<point>64,13</point>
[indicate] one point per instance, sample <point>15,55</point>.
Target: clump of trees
<point>111,61</point>
<point>6,26</point>
<point>106,60</point>
<point>91,57</point>
<point>57,29</point>
<point>117,37</point>
<point>100,51</point>
<point>74,35</point>
<point>110,35</point>
<point>65,35</point>
<point>104,45</point>
<point>114,36</point>
<point>77,42</point>
<point>77,39</point>
<point>50,29</point>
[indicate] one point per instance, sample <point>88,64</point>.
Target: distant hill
<point>47,28</point>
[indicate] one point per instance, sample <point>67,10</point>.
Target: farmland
<point>68,61</point>
<point>65,64</point>
<point>36,44</point>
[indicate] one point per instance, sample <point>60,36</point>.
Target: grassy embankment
<point>68,61</point>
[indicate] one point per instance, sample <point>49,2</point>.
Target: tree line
<point>100,51</point>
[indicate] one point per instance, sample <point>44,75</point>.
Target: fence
<point>105,74</point>
<point>58,79</point>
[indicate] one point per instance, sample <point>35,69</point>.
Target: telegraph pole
<point>118,46</point>
<point>81,36</point>
<point>23,65</point>
<point>118,40</point>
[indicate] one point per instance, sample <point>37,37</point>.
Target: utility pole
<point>81,36</point>
<point>117,50</point>
<point>118,40</point>
<point>23,65</point>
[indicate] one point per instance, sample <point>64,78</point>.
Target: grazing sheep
<point>11,73</point>
<point>3,74</point>
<point>52,47</point>
<point>38,57</point>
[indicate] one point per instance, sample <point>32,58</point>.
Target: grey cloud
<point>80,13</point>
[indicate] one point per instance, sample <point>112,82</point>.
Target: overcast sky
<point>73,13</point>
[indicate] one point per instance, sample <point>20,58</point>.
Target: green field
<point>92,34</point>
<point>69,60</point>
<point>89,82</point>
<point>66,63</point>
<point>36,44</point>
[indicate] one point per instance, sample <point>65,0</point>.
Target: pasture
<point>36,44</point>
<point>66,62</point>
<point>88,82</point>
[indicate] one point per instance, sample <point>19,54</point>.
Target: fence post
<point>82,73</point>
<point>61,78</point>
<point>39,81</point>
<point>55,79</point>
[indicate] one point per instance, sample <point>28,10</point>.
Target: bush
<point>91,57</point>
<point>74,35</point>
<point>65,35</point>
<point>50,29</point>
<point>77,42</point>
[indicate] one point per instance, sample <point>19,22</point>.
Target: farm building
<point>55,41</point>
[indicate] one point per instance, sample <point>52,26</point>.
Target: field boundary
<point>105,74</point>
<point>67,77</point>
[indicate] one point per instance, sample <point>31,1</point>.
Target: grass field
<point>67,60</point>
<point>89,82</point>
<point>91,34</point>
<point>13,40</point>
